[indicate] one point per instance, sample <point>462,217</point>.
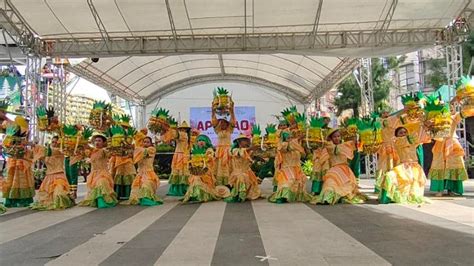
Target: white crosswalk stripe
<point>197,238</point>
<point>22,226</point>
<point>103,245</point>
<point>296,235</point>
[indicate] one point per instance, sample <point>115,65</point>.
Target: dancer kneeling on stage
<point>339,182</point>
<point>405,183</point>
<point>290,177</point>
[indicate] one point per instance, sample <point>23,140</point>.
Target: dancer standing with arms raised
<point>223,129</point>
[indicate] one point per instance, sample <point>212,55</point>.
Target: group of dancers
<point>124,171</point>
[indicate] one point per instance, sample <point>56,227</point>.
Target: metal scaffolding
<point>305,42</point>
<point>58,92</point>
<point>32,96</point>
<point>365,81</point>
<point>454,73</point>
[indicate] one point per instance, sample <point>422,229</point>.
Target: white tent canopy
<point>151,48</point>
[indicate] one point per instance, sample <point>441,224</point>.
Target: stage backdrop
<point>200,118</point>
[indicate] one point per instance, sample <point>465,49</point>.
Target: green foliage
<point>307,167</point>
<point>349,91</point>
<point>221,91</point>
<point>116,130</point>
<point>12,130</point>
<point>198,150</point>
<point>437,77</point>
<point>271,129</point>
<point>468,53</point>
<point>70,130</point>
<point>256,131</point>
<point>87,133</point>
<point>41,111</point>
<point>161,112</point>
<point>316,122</point>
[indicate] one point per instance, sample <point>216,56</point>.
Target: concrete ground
<point>250,233</point>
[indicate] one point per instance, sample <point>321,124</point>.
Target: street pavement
<point>250,233</point>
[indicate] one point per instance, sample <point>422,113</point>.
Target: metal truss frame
<point>366,86</point>
<point>331,80</point>
<point>182,84</point>
<point>17,28</point>
<point>91,74</point>
<point>303,42</point>
<point>59,94</point>
<point>32,97</point>
<point>454,73</point>
<point>365,81</point>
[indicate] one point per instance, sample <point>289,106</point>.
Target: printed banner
<point>200,118</point>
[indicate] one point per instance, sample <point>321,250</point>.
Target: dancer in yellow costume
<point>386,152</point>
<point>100,183</point>
<point>178,180</point>
<point>19,185</point>
<point>290,177</point>
<point>405,183</point>
<point>243,180</point>
<point>123,171</point>
<point>202,182</point>
<point>448,170</point>
<point>223,129</point>
<point>146,182</point>
<point>339,182</point>
<point>53,193</point>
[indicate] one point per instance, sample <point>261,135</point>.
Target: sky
<point>88,89</point>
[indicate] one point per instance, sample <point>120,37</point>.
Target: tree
<point>468,53</point>
<point>437,77</point>
<point>349,90</point>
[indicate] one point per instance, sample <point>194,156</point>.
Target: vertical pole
<point>454,73</point>
<point>367,106</point>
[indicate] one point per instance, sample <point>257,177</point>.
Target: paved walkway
<point>250,233</point>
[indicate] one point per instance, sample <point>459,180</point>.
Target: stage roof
<point>151,48</point>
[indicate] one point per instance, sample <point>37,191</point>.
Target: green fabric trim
<point>72,171</point>
<point>123,191</point>
<point>198,194</point>
<point>178,180</point>
<point>383,199</point>
<point>354,164</point>
<point>379,177</point>
<point>393,194</point>
<point>19,193</point>
<point>149,202</point>
<point>99,195</point>
<point>455,186</point>
<point>123,180</point>
<point>316,187</point>
<point>14,203</point>
<point>59,203</point>
<point>222,181</point>
<point>421,155</point>
<point>331,197</point>
<point>286,194</point>
<point>317,176</point>
<point>458,174</point>
<point>237,194</point>
<point>267,169</point>
<point>102,204</point>
<point>177,190</point>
